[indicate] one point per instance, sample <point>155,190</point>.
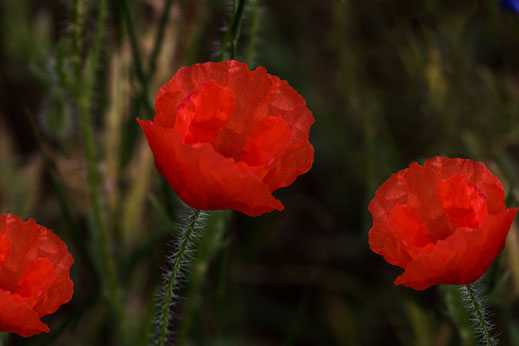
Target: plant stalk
<point>186,241</point>
<point>475,306</point>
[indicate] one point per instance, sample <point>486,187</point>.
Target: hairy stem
<point>476,308</point>
<point>186,241</point>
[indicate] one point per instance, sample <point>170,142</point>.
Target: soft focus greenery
<point>389,82</point>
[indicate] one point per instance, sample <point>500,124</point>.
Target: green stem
<point>158,39</point>
<point>475,306</point>
<point>130,25</point>
<point>76,35</point>
<point>235,28</point>
<point>64,203</point>
<point>233,32</point>
<point>3,338</point>
<point>254,25</point>
<point>220,292</point>
<point>111,289</point>
<point>105,262</point>
<point>186,240</point>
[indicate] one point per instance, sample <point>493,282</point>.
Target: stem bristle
<point>178,261</point>
<point>480,316</point>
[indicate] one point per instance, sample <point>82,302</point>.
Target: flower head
<point>225,137</point>
<point>34,275</point>
<point>443,223</point>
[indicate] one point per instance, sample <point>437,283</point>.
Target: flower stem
<point>84,96</point>
<point>159,38</point>
<point>181,259</point>
<point>254,25</point>
<point>233,32</point>
<point>137,61</point>
<point>76,35</point>
<point>476,308</point>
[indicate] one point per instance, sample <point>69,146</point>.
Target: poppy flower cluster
<point>34,275</point>
<point>225,137</point>
<point>443,223</point>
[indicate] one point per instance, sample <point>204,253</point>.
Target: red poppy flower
<point>225,137</point>
<point>34,275</point>
<point>443,223</point>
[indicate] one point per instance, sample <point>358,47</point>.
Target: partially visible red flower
<point>444,222</point>
<point>225,137</point>
<point>34,275</point>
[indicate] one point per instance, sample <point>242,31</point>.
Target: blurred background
<point>388,81</point>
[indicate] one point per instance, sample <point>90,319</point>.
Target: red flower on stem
<point>34,275</point>
<point>225,137</point>
<point>443,223</point>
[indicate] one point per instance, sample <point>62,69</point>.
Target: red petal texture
<point>225,137</point>
<point>34,277</point>
<point>443,222</point>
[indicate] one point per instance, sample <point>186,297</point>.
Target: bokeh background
<point>388,81</point>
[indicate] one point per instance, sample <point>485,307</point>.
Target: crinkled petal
<point>296,160</point>
<point>462,258</point>
<point>18,317</point>
<point>56,295</point>
<point>475,172</point>
<point>463,203</point>
<point>203,178</point>
<point>202,116</point>
<point>5,248</point>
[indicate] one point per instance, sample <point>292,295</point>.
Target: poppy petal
<point>203,178</point>
<point>17,317</point>
<point>462,258</point>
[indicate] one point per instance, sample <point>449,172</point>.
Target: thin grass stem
<point>159,38</point>
<point>107,268</point>
<point>137,60</point>
<point>64,202</point>
<point>76,36</point>
<point>254,25</point>
<point>233,32</point>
